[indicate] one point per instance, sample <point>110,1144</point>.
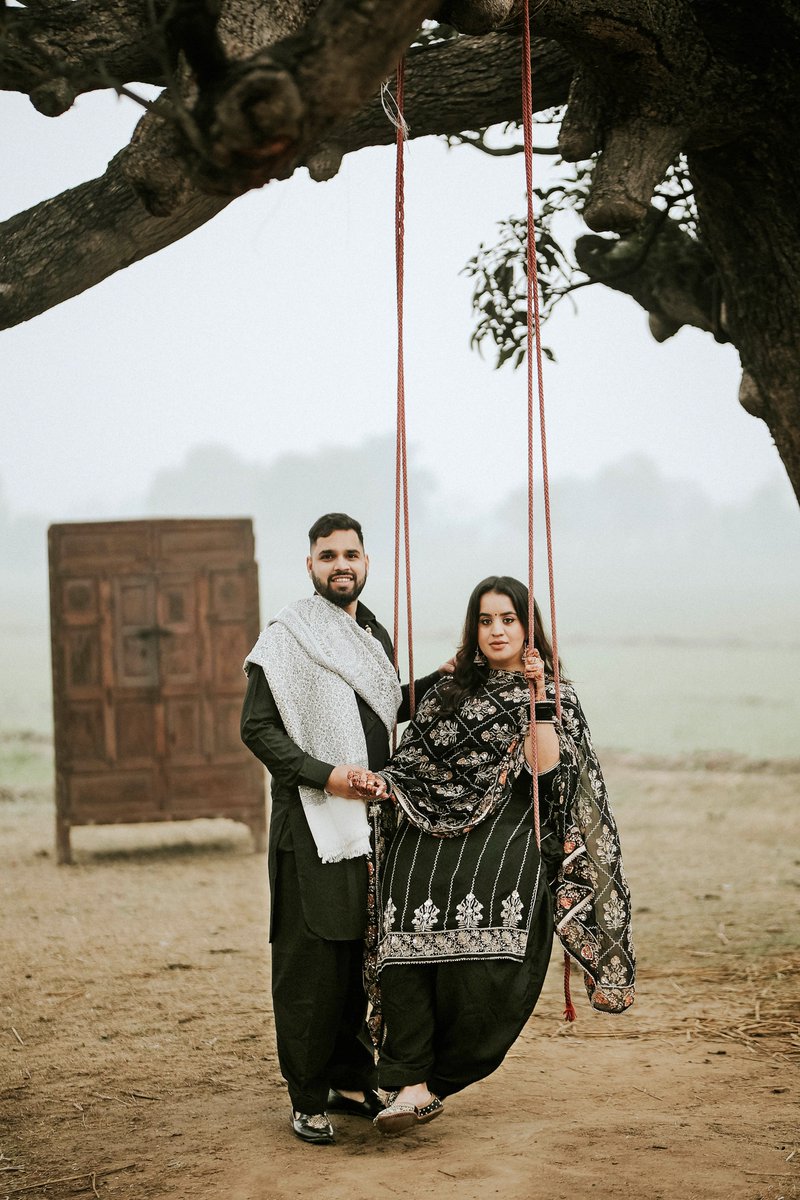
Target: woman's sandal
<point>428,1111</point>
<point>398,1116</point>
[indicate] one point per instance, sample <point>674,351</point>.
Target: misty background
<point>248,370</point>
<point>677,616</point>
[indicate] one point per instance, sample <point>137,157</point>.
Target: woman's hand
<point>533,668</point>
<point>367,784</point>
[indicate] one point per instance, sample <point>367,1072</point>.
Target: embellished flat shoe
<point>314,1128</point>
<point>369,1107</point>
<point>398,1116</point>
<point>427,1112</point>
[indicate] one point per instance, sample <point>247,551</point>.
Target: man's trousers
<point>318,1000</point>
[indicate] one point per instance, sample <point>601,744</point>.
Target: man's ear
<point>308,564</point>
<point>366,561</point>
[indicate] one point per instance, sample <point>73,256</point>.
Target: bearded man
<point>322,699</point>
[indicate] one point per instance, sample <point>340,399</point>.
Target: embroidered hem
<point>441,944</point>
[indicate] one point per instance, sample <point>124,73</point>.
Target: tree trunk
<point>747,196</point>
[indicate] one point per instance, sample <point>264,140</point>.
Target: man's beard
<point>339,598</point>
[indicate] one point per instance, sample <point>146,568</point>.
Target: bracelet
<point>545,710</point>
<point>545,722</point>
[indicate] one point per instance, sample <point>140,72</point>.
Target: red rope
<point>401,456</point>
<point>534,338</point>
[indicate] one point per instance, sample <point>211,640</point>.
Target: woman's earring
<point>479,659</point>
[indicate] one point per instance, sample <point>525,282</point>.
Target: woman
<point>466,911</point>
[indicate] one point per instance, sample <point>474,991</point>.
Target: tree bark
<point>747,195</point>
<point>63,246</point>
<point>57,51</point>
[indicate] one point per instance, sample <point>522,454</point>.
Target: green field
<point>642,696</point>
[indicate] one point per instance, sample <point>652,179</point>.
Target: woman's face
<point>501,634</point>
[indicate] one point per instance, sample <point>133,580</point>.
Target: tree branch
<point>63,246</point>
<point>55,52</point>
<point>70,243</point>
<point>670,274</point>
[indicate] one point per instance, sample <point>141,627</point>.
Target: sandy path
<point>135,1035</point>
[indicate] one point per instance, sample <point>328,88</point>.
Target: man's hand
<point>342,778</point>
<point>448,667</point>
<point>368,785</point>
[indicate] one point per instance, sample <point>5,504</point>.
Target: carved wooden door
<point>151,621</point>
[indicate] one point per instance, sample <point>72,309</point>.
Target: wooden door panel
<point>111,797</point>
<point>184,725</point>
<point>79,601</point>
<point>217,790</point>
<point>226,733</point>
<point>113,543</point>
<point>136,725</point>
<point>151,622</point>
<point>82,660</point>
<point>135,639</point>
<point>179,643</point>
<point>198,544</point>
<point>231,643</point>
<point>229,594</point>
<point>86,736</point>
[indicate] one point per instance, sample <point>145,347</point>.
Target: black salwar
<point>318,1002</point>
<point>450,1024</point>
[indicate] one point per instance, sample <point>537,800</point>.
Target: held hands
<point>367,785</point>
<point>533,668</point>
<point>355,783</point>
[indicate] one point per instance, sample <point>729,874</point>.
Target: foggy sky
<point>270,331</point>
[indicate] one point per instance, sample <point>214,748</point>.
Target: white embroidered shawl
<point>316,658</point>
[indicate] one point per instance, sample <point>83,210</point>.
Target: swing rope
<point>533,347</point>
<point>534,337</point>
<point>401,457</point>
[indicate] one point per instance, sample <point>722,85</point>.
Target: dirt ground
<point>136,1046</point>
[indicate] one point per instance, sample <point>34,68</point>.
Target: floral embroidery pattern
<point>469,912</point>
<point>593,903</point>
<point>447,786</point>
<point>453,944</point>
<point>512,910</point>
<point>606,847</point>
<point>453,769</point>
<point>445,734</point>
<point>426,916</point>
<point>614,912</point>
<point>389,914</point>
<point>477,709</point>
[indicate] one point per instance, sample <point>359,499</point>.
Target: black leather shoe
<point>313,1127</point>
<point>369,1107</point>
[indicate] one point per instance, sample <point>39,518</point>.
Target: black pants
<point>319,1003</point>
<point>451,1024</point>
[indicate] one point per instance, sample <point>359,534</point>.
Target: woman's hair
<point>469,675</point>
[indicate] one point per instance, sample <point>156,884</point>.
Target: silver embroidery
<point>512,910</point>
<point>389,914</point>
<point>614,912</point>
<point>469,913</point>
<point>425,917</point>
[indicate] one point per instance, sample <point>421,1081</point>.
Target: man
<point>322,699</point>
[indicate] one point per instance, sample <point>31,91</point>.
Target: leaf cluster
<point>499,270</point>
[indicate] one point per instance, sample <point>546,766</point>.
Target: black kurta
<point>318,910</point>
<point>333,895</point>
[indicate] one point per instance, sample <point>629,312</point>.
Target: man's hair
<point>331,523</point>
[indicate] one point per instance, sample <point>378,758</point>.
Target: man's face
<point>338,567</point>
